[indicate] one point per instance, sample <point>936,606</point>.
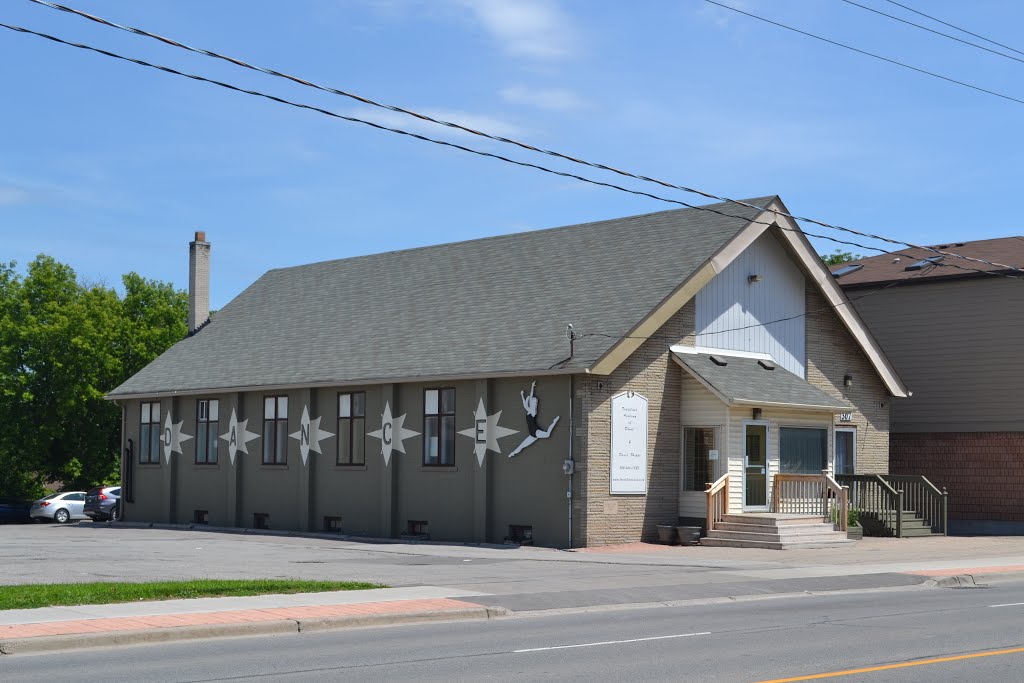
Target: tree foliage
<point>63,345</point>
<point>839,256</point>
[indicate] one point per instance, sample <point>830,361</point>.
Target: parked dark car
<point>103,503</point>
<point>15,511</point>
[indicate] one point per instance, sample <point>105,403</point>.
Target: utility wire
<point>958,28</point>
<point>498,138</point>
<point>864,52</point>
<point>445,143</point>
<point>931,30</point>
<point>823,309</point>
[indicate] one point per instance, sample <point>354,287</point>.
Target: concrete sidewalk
<point>466,581</point>
<point>58,628</point>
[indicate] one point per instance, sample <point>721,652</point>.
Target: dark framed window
<point>149,433</point>
<point>439,427</point>
<point>845,450</point>
<point>699,469</point>
<point>275,430</point>
<point>207,416</point>
<point>352,428</point>
<point>803,450</point>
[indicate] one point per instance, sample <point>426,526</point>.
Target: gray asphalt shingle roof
<point>483,307</point>
<point>744,380</point>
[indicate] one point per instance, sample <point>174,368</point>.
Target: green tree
<point>63,345</point>
<point>839,256</point>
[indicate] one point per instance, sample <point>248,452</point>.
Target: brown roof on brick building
<point>926,266</point>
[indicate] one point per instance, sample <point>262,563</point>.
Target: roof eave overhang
<point>359,382</point>
<point>795,406</point>
<point>671,305</point>
<point>827,285</point>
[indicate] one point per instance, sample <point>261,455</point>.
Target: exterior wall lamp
<point>756,413</point>
<point>848,380</point>
<point>754,278</point>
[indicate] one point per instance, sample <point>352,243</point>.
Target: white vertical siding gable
<point>730,301</point>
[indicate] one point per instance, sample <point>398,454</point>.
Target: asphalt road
<point>899,630</point>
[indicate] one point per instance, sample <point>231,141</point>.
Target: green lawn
<point>51,594</point>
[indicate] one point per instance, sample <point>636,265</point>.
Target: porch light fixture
<point>848,380</point>
<point>756,414</point>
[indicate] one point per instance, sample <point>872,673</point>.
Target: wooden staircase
<point>774,531</point>
<point>883,523</point>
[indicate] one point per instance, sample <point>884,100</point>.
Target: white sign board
<point>629,444</point>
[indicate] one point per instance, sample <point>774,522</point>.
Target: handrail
<point>842,496</point>
<point>811,494</point>
<point>872,494</point>
<point>718,501</point>
<point>925,499</point>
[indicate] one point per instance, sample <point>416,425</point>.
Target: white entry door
<point>755,467</point>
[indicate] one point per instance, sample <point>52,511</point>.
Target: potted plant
<point>666,534</point>
<point>854,530</point>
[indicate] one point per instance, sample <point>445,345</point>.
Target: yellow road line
<point>886,667</point>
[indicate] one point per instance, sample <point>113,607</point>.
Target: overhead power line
<point>505,140</point>
<point>958,28</point>
<point>491,155</point>
<point>864,52</point>
<point>931,30</point>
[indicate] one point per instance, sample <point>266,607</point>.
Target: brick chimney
<point>198,282</point>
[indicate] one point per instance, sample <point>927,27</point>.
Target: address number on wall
<point>845,417</point>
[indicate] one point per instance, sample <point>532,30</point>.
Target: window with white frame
<point>698,467</point>
<point>845,450</point>
<point>149,433</point>
<point>207,415</point>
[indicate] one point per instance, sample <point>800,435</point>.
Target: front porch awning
<point>754,380</point>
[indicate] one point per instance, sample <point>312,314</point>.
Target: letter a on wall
<point>238,436</point>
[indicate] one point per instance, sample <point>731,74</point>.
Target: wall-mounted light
<point>754,278</point>
<point>756,412</point>
<point>848,380</point>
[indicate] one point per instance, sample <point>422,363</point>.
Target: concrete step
<point>820,535</point>
<point>772,520</point>
<point>766,529</point>
<point>774,545</point>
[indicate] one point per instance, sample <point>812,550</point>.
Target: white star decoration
<point>309,435</point>
<point>486,432</point>
<point>391,433</point>
<point>173,437</point>
<point>238,436</point>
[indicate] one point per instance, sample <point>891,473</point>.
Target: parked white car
<point>60,507</point>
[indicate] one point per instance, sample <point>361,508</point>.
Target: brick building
<point>953,335</point>
<point>441,392</point>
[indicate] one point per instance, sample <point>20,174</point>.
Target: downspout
<point>572,437</point>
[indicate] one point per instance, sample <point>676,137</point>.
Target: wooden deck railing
<point>872,495</point>
<point>811,494</point>
<point>718,501</point>
<point>924,498</point>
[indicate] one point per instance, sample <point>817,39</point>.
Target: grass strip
<point>53,594</point>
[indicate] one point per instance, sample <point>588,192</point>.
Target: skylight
<point>846,270</point>
<point>925,262</point>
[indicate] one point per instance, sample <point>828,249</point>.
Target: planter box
<point>855,532</point>
<point>688,535</point>
<point>666,534</point>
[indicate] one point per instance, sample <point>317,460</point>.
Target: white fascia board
<point>710,350</point>
<point>835,296</point>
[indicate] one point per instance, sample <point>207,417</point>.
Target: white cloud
<point>480,122</point>
<point>554,99</point>
<point>537,29</point>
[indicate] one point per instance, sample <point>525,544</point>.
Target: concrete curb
<point>78,641</point>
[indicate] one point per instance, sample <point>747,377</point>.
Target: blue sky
<point>111,167</point>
